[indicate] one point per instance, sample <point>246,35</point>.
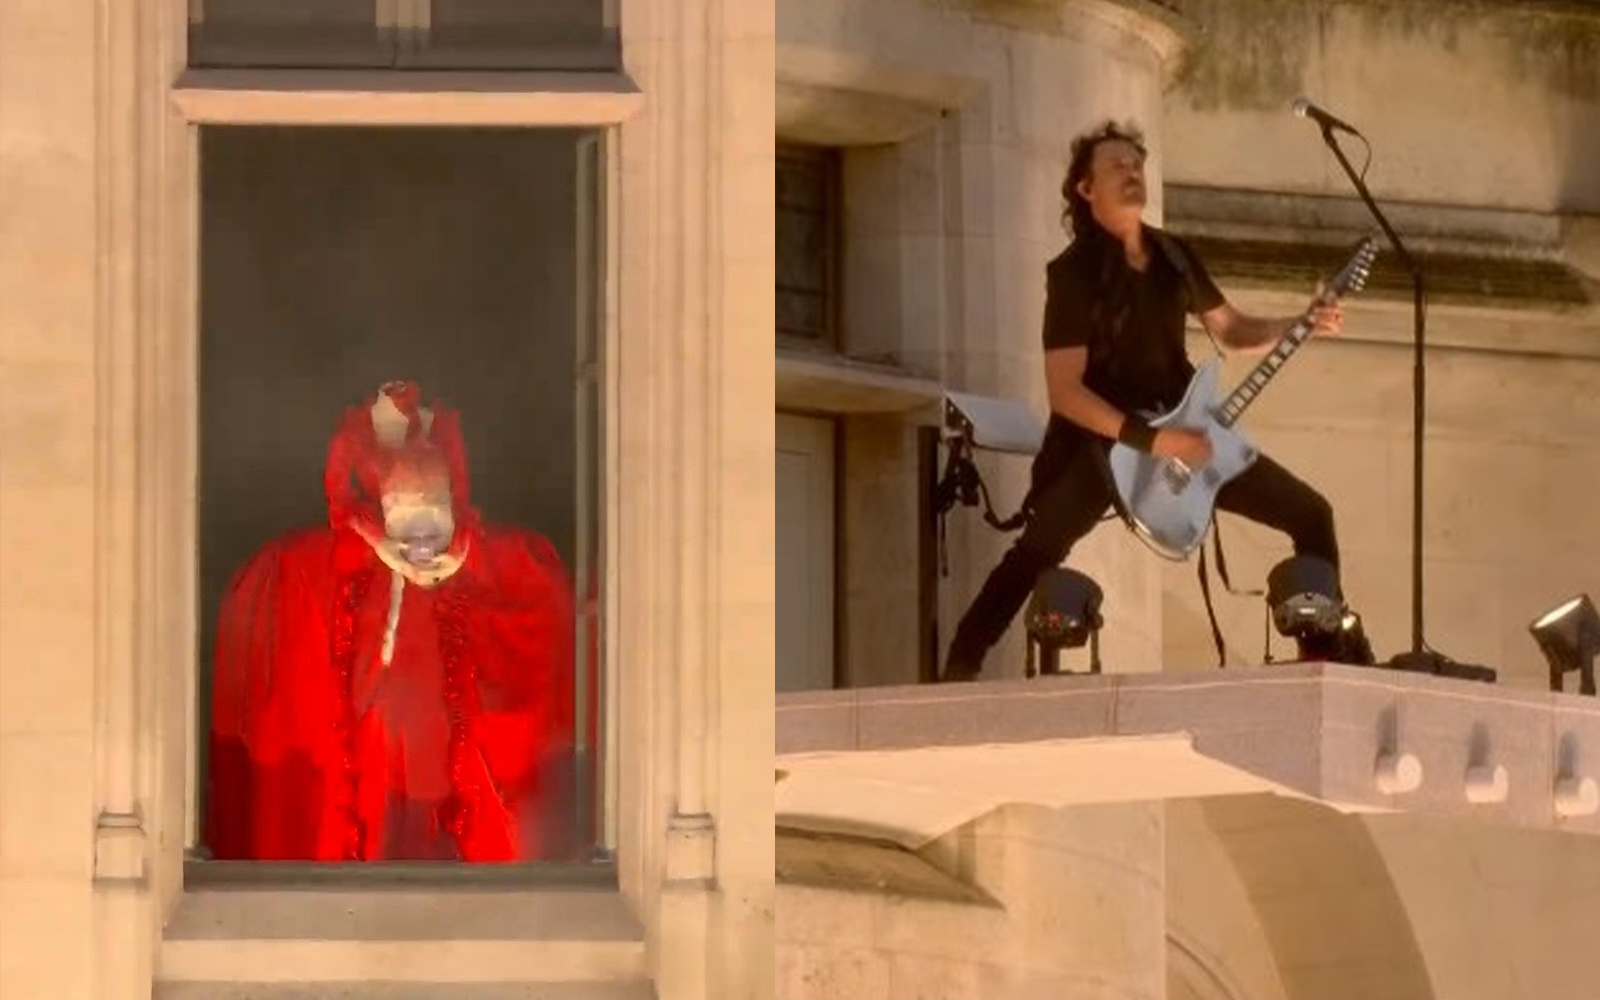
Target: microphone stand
<point>1419,658</point>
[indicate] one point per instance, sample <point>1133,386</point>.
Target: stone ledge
<point>1470,256</point>
<point>831,97</point>
<point>1454,278</point>
<point>834,384</point>
<point>371,876</point>
<point>857,864</point>
<point>402,915</point>
<point>295,937</point>
<point>1337,220</point>
<point>303,961</point>
<point>405,991</point>
<point>911,763</point>
<point>355,97</point>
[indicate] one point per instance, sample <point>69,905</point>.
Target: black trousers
<point>1072,501</point>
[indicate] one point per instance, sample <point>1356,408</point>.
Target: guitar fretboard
<point>1240,399</point>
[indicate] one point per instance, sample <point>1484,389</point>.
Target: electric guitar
<point>1170,505</point>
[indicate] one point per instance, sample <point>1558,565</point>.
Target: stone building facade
<point>105,114</point>
<point>1114,869</point>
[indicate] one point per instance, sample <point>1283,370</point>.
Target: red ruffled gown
<point>456,745</point>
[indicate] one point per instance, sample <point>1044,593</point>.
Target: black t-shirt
<point>1132,323</point>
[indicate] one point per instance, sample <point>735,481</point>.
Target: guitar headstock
<point>1353,276</point>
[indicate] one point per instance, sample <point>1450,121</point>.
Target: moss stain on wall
<point>1551,44</point>
<point>1249,54</point>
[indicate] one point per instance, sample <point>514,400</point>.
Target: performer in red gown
<point>398,684</point>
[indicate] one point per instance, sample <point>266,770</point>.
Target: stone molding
<point>1357,739</point>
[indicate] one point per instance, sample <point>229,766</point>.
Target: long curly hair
<point>1077,212</point>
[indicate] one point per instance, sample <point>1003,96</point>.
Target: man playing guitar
<point>1115,310</point>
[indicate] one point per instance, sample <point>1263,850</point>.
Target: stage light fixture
<point>1303,594</point>
<point>1569,637</point>
<point>1064,613</point>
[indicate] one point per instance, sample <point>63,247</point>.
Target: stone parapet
<point>914,763</point>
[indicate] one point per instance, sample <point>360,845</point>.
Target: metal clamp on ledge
<point>972,423</point>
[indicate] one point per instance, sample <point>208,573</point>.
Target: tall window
<point>405,34</point>
<point>335,261</point>
<point>808,247</point>
<point>806,551</point>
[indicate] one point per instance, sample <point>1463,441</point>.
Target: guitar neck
<point>1240,399</point>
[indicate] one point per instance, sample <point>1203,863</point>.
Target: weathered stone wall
<point>1464,102</point>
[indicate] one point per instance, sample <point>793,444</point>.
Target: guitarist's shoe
<point>956,672</point>
<point>1346,644</point>
<point>1355,647</point>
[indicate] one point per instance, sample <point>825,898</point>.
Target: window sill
<point>827,383</point>
<point>380,97</point>
<point>845,863</point>
<point>250,936</point>
<point>201,874</point>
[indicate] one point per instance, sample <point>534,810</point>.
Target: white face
<point>420,524</point>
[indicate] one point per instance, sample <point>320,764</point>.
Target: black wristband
<point>1137,434</point>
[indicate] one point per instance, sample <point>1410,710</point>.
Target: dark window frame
<point>372,42</point>
<point>593,803</point>
<point>828,162</point>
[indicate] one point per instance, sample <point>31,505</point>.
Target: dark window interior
<point>404,34</point>
<point>333,260</point>
<point>807,246</point>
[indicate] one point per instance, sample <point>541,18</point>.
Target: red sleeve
<point>523,631</point>
<point>272,707</point>
<point>272,679</point>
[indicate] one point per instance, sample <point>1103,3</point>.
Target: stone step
<point>398,938</point>
<point>404,991</point>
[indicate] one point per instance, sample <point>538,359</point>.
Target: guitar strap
<point>1211,614</point>
<point>1175,254</point>
<point>1174,251</point>
<point>1172,247</point>
<point>1180,260</point>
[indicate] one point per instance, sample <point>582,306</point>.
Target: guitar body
<point>1169,505</point>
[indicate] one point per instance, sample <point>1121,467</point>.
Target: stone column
<point>87,151</point>
<point>50,514</point>
<point>1084,892</point>
<point>695,607</point>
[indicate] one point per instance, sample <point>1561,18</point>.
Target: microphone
<point>1305,109</point>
